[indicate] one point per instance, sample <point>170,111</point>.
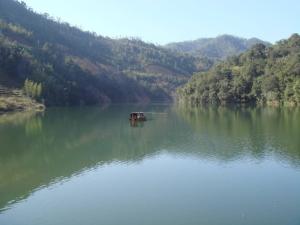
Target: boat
<point>137,116</point>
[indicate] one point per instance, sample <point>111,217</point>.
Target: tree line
<point>262,75</point>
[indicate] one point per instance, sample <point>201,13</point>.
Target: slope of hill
<point>217,48</point>
<point>77,67</point>
<point>263,74</point>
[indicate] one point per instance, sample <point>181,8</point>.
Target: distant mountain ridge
<point>217,48</point>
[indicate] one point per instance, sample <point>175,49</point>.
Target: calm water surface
<point>205,166</point>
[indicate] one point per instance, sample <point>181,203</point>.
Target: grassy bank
<point>12,100</point>
<point>11,104</point>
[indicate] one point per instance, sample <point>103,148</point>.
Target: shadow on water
<point>44,148</point>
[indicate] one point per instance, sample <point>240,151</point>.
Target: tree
<point>32,89</point>
<point>297,91</point>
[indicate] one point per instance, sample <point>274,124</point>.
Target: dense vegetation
<point>217,48</point>
<point>264,75</point>
<point>76,67</point>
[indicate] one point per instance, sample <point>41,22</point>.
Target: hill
<point>217,48</point>
<point>77,67</point>
<point>262,75</point>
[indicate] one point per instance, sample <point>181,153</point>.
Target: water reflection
<point>42,148</point>
<point>134,123</point>
<point>238,132</point>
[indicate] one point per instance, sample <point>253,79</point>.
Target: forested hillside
<point>263,75</point>
<point>218,48</point>
<point>76,67</point>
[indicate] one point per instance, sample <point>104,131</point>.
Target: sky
<point>164,21</point>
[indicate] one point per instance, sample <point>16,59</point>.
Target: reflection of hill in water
<point>64,142</point>
<point>228,133</point>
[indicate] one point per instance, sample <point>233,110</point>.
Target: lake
<point>210,166</point>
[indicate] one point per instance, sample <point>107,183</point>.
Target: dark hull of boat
<point>142,119</point>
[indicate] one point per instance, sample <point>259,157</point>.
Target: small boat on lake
<point>137,116</point>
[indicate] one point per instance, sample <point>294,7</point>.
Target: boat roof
<point>137,112</point>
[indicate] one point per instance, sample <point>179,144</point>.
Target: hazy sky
<point>162,21</point>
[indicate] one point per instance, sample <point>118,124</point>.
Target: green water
<point>90,166</point>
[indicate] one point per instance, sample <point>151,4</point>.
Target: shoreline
<point>11,104</point>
